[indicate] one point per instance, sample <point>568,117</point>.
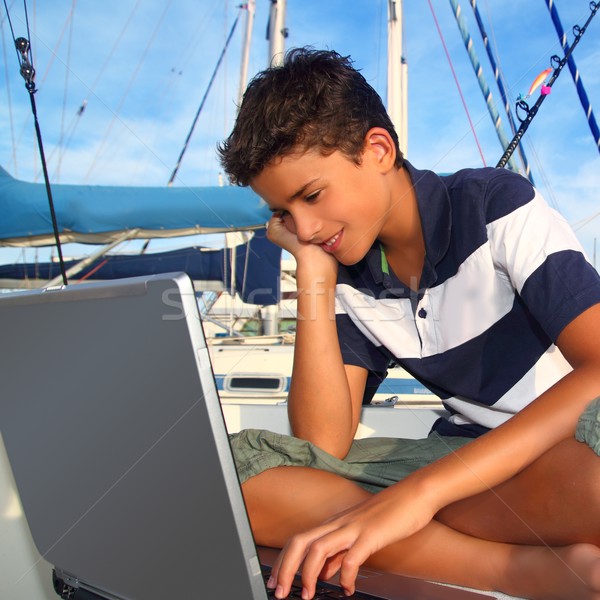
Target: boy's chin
<point>354,255</point>
<point>350,260</point>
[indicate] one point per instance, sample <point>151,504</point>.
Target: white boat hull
<point>258,371</point>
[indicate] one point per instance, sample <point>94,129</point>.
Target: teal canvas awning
<point>101,214</point>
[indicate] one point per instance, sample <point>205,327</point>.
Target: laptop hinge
<point>70,587</point>
<point>65,585</point>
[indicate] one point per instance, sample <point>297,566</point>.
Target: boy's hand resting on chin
<point>281,231</point>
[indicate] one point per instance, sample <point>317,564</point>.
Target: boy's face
<point>328,200</point>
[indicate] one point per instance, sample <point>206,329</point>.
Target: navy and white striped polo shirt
<point>503,275</point>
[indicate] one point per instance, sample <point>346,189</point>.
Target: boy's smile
<point>329,200</point>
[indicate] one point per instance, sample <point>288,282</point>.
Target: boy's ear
<point>381,148</point>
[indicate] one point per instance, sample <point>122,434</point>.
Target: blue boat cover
<point>101,214</point>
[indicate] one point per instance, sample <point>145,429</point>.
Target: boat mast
<point>397,91</point>
<point>277,32</point>
<point>251,8</point>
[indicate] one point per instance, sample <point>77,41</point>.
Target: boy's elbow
<point>340,451</point>
<point>335,444</point>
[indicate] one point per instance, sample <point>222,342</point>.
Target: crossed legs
<point>537,535</point>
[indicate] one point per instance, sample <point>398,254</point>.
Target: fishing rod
<point>557,64</point>
<point>27,71</point>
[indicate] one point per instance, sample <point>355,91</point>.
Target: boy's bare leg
<point>555,501</point>
<point>286,500</point>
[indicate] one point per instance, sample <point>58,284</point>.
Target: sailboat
<point>250,370</point>
<point>391,419</point>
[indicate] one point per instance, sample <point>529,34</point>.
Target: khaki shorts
<point>588,427</point>
<point>373,463</point>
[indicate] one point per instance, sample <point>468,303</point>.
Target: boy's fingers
<point>332,566</point>
<point>326,553</point>
<point>288,563</point>
<point>353,560</point>
<point>296,552</point>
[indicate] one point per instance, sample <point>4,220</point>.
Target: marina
<point>135,215</point>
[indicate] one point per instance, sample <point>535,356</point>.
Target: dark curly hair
<point>316,99</point>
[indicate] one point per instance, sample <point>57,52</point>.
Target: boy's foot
<point>565,573</point>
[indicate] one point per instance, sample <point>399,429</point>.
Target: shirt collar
<point>435,212</point>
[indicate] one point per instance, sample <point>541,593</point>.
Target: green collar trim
<point>385,268</point>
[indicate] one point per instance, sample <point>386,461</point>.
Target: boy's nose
<point>307,229</point>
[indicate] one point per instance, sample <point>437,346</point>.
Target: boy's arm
<point>548,420</point>
<point>406,507</point>
<point>325,396</point>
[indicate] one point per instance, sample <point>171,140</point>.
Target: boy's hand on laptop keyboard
<point>347,540</point>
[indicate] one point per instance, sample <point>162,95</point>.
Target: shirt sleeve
<point>537,249</point>
<point>357,349</point>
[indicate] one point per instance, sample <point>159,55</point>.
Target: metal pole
<point>396,81</point>
<point>277,32</point>
<point>92,257</point>
<point>251,8</point>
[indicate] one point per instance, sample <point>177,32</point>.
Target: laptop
<point>113,428</point>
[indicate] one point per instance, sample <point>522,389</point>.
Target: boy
<point>475,287</point>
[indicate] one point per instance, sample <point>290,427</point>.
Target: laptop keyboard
<point>324,591</point>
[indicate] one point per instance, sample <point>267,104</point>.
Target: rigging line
<point>158,158</point>
<point>53,55</point>
<point>187,53</point>
<point>501,87</point>
<point>495,50</point>
<point>379,38</point>
<point>26,123</point>
<point>246,263</point>
<point>539,168</point>
<point>77,116</point>
<point>12,31</point>
<point>485,90</point>
<point>214,74</point>
<point>9,102</point>
<point>170,85</point>
<point>65,93</point>
<point>28,73</point>
<point>558,64</point>
<point>4,18</point>
<point>583,97</point>
<point>113,49</point>
<point>127,90</point>
<point>80,111</point>
<point>584,222</point>
<point>224,80</point>
<point>54,51</point>
<point>457,82</point>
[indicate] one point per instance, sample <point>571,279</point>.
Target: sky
<point>142,67</point>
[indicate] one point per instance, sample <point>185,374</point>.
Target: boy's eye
<point>312,197</point>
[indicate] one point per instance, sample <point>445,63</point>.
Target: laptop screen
<point>112,425</point>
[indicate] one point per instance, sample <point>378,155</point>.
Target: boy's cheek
<point>289,224</point>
